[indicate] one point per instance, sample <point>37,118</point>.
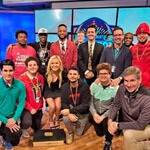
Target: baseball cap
<point>143,28</point>
<point>42,31</point>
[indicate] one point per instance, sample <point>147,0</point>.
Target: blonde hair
<point>49,71</point>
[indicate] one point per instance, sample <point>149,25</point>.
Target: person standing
<point>128,39</point>
<point>89,54</point>
<point>19,52</point>
<point>34,83</point>
<point>52,90</point>
<point>117,55</point>
<point>75,96</point>
<point>12,102</point>
<point>134,100</point>
<point>42,48</point>
<point>80,38</point>
<point>141,52</point>
<point>65,49</point>
<point>101,100</point>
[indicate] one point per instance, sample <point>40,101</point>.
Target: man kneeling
<point>75,104</point>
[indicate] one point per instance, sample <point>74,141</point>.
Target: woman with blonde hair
<point>52,92</point>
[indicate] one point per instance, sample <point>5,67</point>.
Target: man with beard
<point>141,52</point>
<point>19,52</point>
<point>42,49</point>
<point>75,96</point>
<point>89,55</point>
<point>65,49</point>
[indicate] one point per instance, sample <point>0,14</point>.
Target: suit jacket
<point>83,57</point>
<point>70,57</point>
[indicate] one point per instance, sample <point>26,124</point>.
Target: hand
<point>115,82</point>
<point>9,47</point>
<point>112,127</point>
<point>109,46</point>
<point>33,111</point>
<point>98,119</point>
<point>14,128</point>
<point>97,81</point>
<point>65,112</point>
<point>73,117</point>
<point>89,75</point>
<point>10,122</point>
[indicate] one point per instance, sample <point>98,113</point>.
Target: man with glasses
<point>117,55</point>
<point>102,97</point>
<point>141,52</point>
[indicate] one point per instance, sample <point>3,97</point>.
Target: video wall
<point>76,19</point>
<point>104,18</point>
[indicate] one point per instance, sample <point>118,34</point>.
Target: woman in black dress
<point>52,92</point>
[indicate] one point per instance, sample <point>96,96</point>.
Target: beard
<point>22,45</point>
<point>62,38</point>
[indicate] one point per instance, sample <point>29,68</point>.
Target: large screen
<point>104,19</point>
<point>50,19</point>
<point>130,18</point>
<point>10,23</point>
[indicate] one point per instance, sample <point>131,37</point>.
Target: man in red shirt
<point>141,52</point>
<point>19,52</point>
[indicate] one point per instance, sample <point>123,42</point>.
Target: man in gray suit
<point>89,54</point>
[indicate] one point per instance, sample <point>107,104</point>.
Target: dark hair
<point>32,59</point>
<point>92,26</point>
<point>74,68</point>
<point>62,25</point>
<point>102,66</point>
<point>117,28</point>
<point>7,62</point>
<point>20,31</point>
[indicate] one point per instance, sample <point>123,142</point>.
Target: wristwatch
<point>120,77</point>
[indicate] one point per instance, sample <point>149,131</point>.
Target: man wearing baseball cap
<point>42,48</point>
<point>141,53</point>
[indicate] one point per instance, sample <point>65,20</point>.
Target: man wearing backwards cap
<point>141,52</point>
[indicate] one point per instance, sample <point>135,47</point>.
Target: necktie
<point>63,49</point>
<point>90,58</point>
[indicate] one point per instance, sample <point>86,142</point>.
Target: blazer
<point>83,57</point>
<point>70,57</point>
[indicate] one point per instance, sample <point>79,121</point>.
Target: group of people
<point>80,80</point>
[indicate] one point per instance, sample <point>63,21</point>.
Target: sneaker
<point>107,146</point>
<point>69,138</point>
<point>7,145</point>
<point>25,133</point>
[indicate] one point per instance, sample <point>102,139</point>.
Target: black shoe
<point>107,146</point>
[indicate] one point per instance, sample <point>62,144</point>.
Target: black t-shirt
<point>43,54</point>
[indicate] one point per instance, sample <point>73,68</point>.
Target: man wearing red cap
<point>141,52</point>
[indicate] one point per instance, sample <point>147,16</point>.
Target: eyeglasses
<point>103,74</point>
<point>115,35</point>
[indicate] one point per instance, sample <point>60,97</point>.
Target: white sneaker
<point>25,133</point>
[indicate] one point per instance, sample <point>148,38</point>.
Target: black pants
<point>13,138</point>
<point>29,120</point>
<point>102,129</point>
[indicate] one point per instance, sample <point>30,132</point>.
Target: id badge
<point>113,69</point>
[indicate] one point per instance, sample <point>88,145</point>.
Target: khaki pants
<point>137,139</point>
